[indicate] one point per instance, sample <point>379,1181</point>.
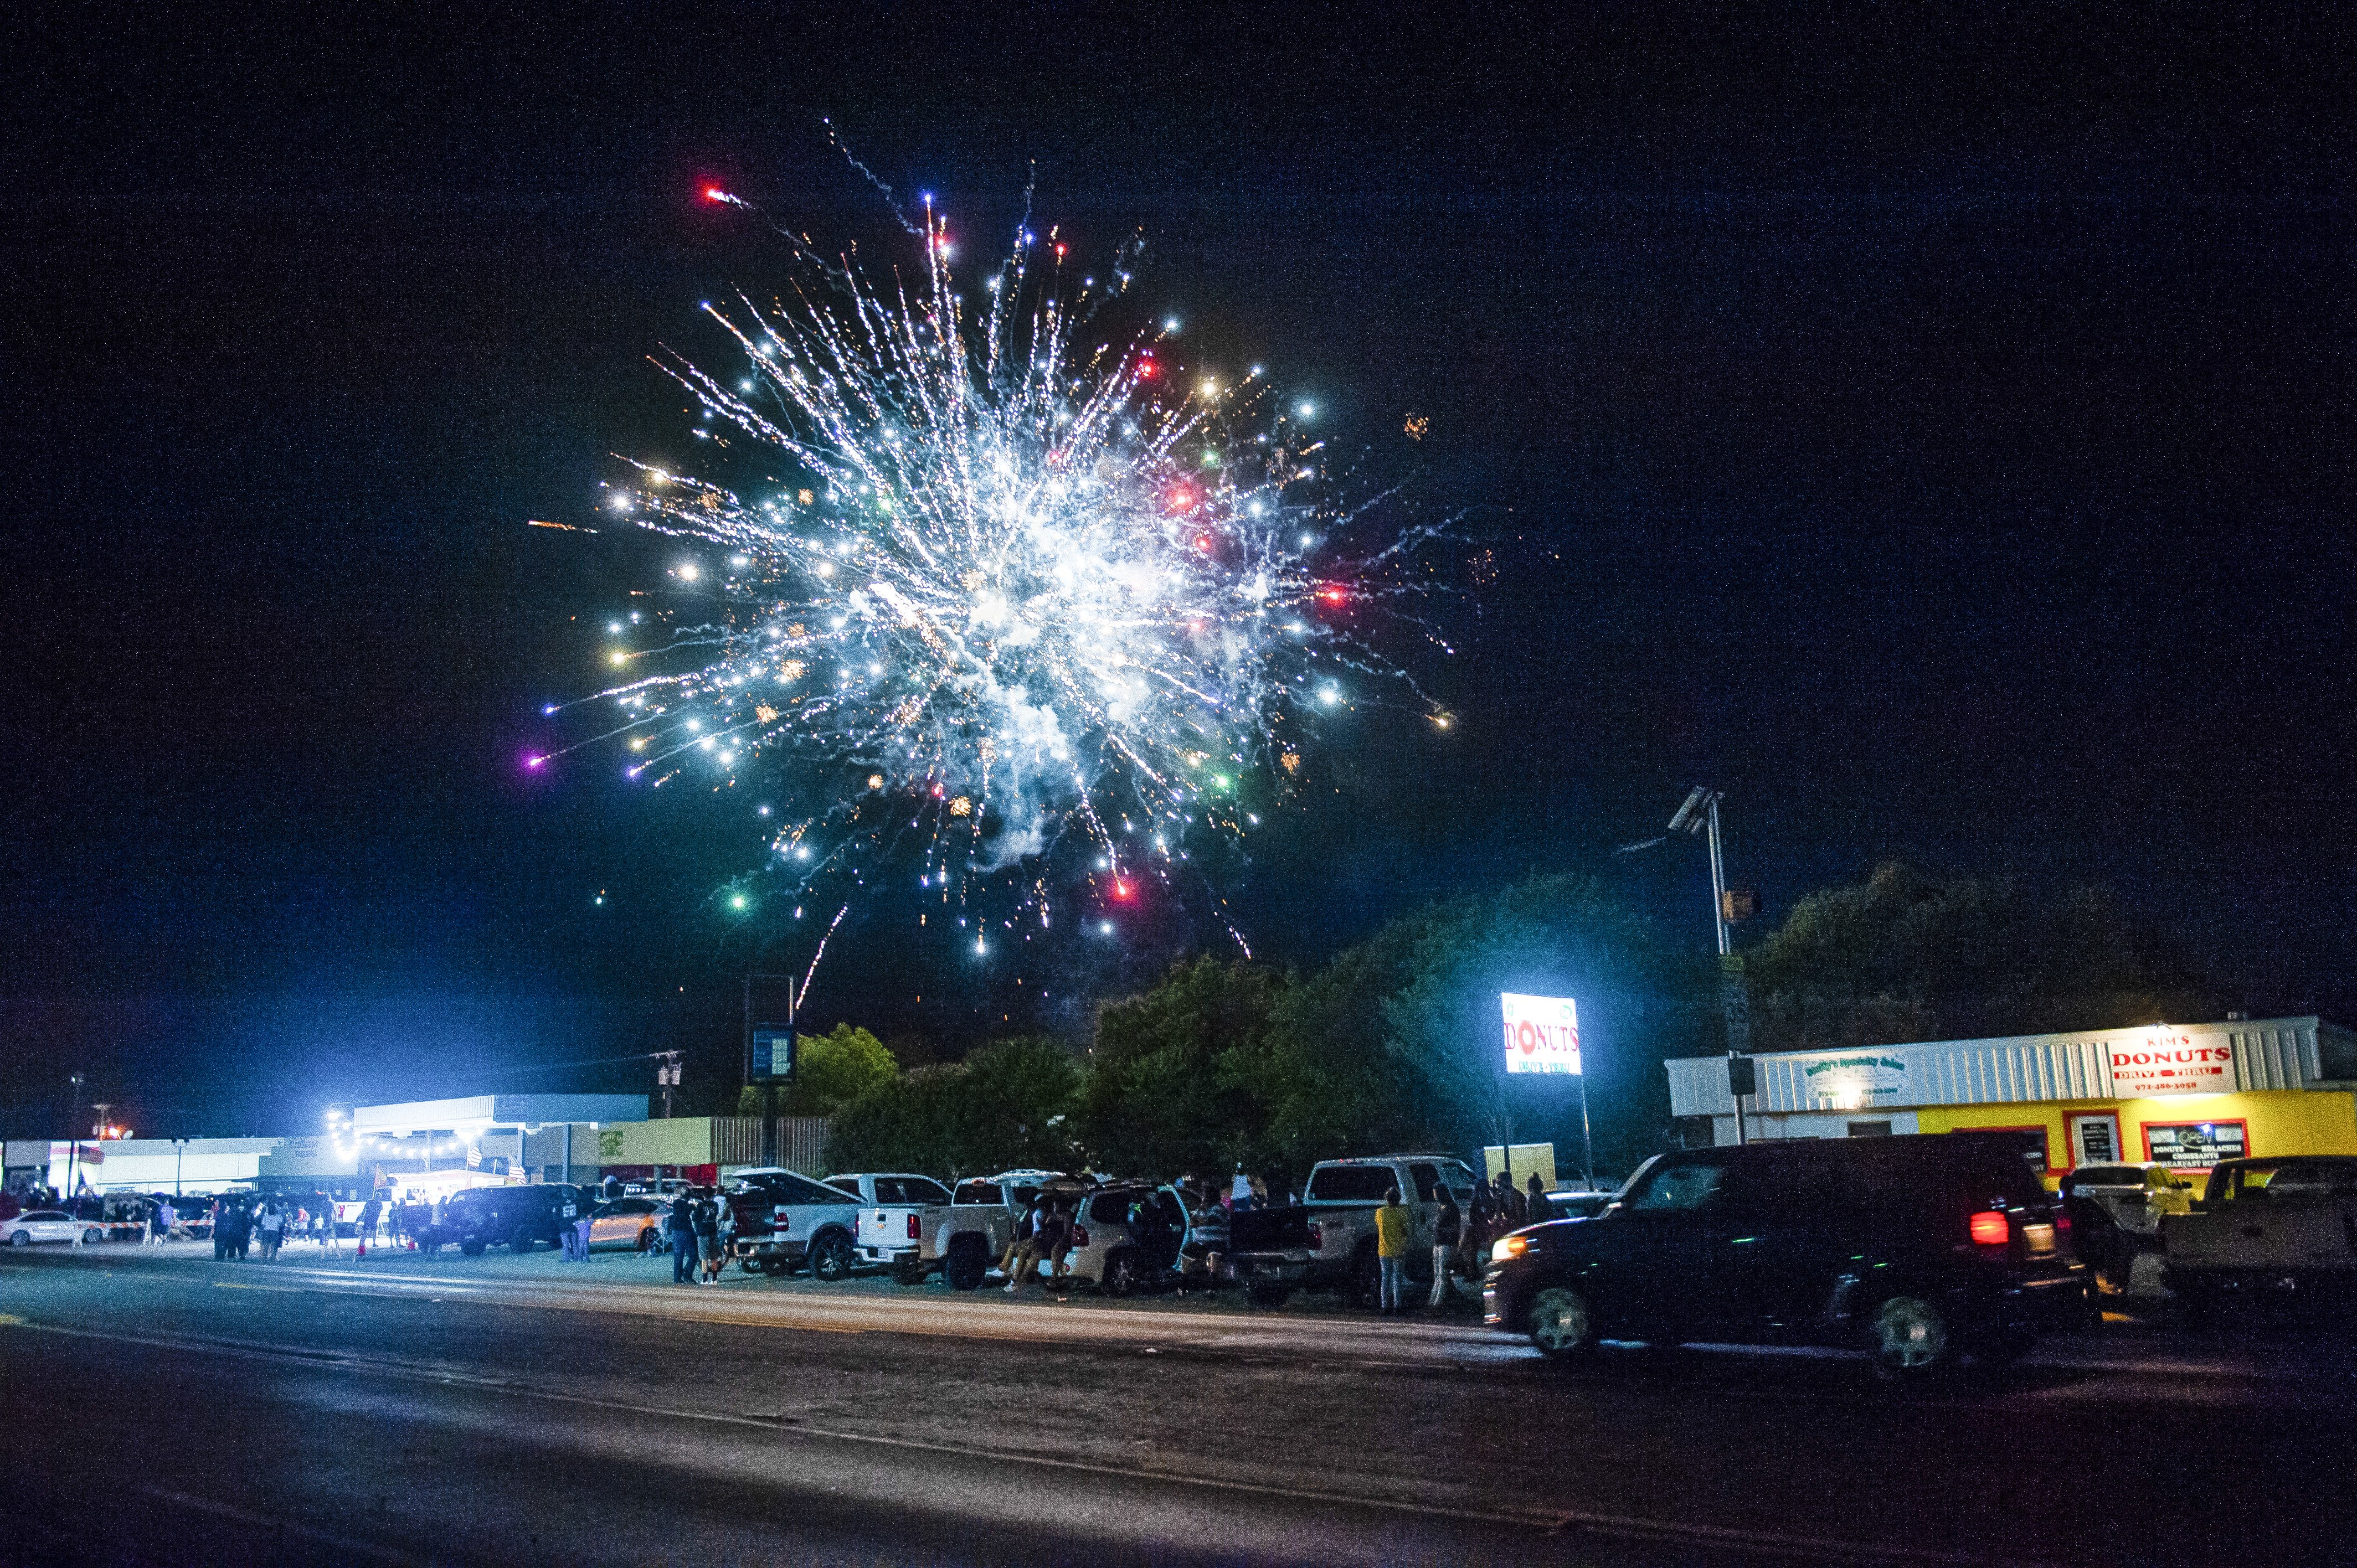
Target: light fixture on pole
<point>73,1143</point>
<point>1699,815</point>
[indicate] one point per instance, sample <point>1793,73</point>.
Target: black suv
<point>516,1217</point>
<point>1917,1248</point>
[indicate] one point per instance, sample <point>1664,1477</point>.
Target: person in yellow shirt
<point>1395,1238</point>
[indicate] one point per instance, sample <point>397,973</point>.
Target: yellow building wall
<point>2279,1120</point>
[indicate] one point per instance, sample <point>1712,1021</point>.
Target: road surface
<point>169,1409</point>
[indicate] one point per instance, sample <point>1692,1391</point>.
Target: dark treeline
<point>1397,1043</point>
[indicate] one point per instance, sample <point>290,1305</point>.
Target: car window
<point>844,1183</point>
<point>893,1189</point>
<point>1681,1188</point>
<point>976,1192</point>
<point>1110,1207</point>
<point>1426,1178</point>
<point>2107,1176</point>
<point>2321,1177</point>
<point>1351,1184</point>
<point>921,1191</point>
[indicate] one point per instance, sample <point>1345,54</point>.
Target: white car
<point>49,1225</point>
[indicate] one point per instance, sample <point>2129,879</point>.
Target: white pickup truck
<point>962,1233</point>
<point>1343,1197</point>
<point>2266,1228</point>
<point>785,1221</point>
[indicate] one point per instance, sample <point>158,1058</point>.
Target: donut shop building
<point>2181,1095</point>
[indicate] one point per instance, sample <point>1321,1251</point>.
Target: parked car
<point>1577,1203</point>
<point>633,1222</point>
<point>1343,1197</point>
<point>2115,1211</point>
<point>962,1240</point>
<point>901,1213</point>
<point>49,1225</point>
<point>518,1217</point>
<point>1920,1250</point>
<point>785,1221</point>
<point>2283,1227</point>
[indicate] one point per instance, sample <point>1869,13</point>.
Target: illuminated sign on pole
<point>1542,1034</point>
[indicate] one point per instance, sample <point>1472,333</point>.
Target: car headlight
<point>1509,1248</point>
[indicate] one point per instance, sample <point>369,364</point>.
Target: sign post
<point>1542,1037</point>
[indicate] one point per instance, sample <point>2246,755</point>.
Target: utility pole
<point>73,1145</point>
<point>1700,815</point>
<point>667,1076</point>
<point>179,1155</point>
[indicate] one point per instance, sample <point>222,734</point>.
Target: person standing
<point>1394,1236</point>
<point>1537,1209</point>
<point>371,1212</point>
<point>568,1234</point>
<point>160,1223</point>
<point>681,1226</point>
<point>1447,1231</point>
<point>707,1238</point>
<point>330,1239</point>
<point>583,1221</point>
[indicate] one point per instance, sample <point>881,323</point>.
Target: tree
<point>1006,1105</point>
<point>1164,1093</point>
<point>1907,955</point>
<point>831,1070</point>
<point>1399,1042</point>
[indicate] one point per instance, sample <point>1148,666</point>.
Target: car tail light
<point>1317,1236</point>
<point>912,1228</point>
<point>2061,1223</point>
<point>1079,1237</point>
<point>1990,1229</point>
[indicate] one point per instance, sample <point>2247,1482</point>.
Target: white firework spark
<point>1008,601</point>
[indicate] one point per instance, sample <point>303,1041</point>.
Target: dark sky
<point>1939,440</point>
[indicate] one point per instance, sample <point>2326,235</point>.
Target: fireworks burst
<point>1011,608</point>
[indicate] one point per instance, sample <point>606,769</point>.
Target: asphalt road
<point>168,1408</point>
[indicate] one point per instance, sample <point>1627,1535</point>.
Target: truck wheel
<point>1910,1339</point>
<point>1561,1324</point>
<point>829,1258</point>
<point>966,1265</point>
<point>1123,1275</point>
<point>520,1241</point>
<point>472,1246</point>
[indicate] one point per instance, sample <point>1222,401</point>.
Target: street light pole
<point>73,1139</point>
<point>1700,814</point>
<point>180,1153</point>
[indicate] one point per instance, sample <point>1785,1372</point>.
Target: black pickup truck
<point>1270,1252</point>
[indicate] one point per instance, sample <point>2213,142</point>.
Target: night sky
<point>1939,442</point>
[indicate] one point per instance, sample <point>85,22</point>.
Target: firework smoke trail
<point>1010,607</point>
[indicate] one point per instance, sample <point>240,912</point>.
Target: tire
<point>472,1246</point>
<point>830,1258</point>
<point>520,1241</point>
<point>21,1238</point>
<point>1910,1339</point>
<point>966,1265</point>
<point>1561,1324</point>
<point>1125,1274</point>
